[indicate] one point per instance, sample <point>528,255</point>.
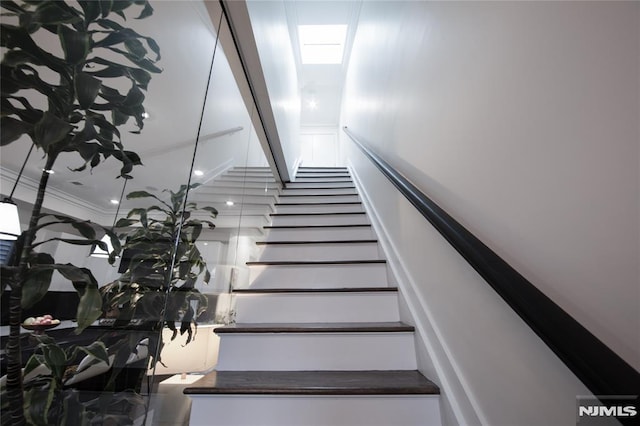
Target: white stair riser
<point>319,191</point>
<point>345,251</point>
<point>237,192</point>
<point>320,208</point>
<point>249,176</point>
<point>238,197</point>
<point>238,209</point>
<point>316,351</point>
<point>320,234</point>
<point>312,174</point>
<point>323,179</point>
<point>320,185</point>
<point>320,199</point>
<point>249,173</point>
<point>248,221</point>
<point>242,178</point>
<point>317,307</point>
<point>305,220</point>
<point>297,410</point>
<point>241,184</point>
<point>319,276</point>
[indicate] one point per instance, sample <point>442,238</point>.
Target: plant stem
<point>14,348</point>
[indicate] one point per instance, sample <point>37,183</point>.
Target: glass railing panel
<point>231,190</point>
<point>108,350</point>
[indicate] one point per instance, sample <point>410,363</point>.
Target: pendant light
<point>9,218</point>
<point>97,251</point>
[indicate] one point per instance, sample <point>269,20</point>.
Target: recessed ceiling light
<point>145,115</point>
<point>229,203</point>
<point>312,104</point>
<point>322,44</point>
<point>114,201</point>
<point>48,171</point>
<point>198,172</point>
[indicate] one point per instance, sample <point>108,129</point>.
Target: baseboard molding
<point>455,397</point>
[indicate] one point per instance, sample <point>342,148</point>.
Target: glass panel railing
<point>125,332</point>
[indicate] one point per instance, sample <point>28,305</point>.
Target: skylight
<point>322,44</point>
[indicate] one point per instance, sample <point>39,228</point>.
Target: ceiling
<point>322,83</point>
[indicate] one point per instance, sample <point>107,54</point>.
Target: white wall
<point>320,147</point>
<point>521,120</point>
<point>269,24</point>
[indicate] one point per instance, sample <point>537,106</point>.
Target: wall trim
<point>455,393</point>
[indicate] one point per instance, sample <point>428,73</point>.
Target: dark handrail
<point>594,363</point>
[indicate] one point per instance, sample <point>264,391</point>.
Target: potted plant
<point>163,262</point>
<point>82,115</point>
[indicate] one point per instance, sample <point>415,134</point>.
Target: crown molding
<point>56,200</point>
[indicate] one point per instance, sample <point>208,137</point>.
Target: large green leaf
<point>18,38</point>
<point>50,130</point>
<point>26,112</point>
<point>143,63</point>
<point>91,9</point>
<point>105,7</point>
<point>89,308</point>
<point>96,349</point>
<point>76,275</point>
<point>72,241</point>
<point>211,210</point>
<point>11,129</point>
<point>14,58</point>
<point>75,44</point>
<point>33,363</point>
<point>26,77</point>
<point>55,358</point>
<point>134,97</point>
<point>38,279</point>
<point>135,47</point>
<point>146,11</point>
<point>54,13</point>
<point>87,89</point>
<point>12,6</point>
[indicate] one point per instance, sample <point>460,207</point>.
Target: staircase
<point>318,339</point>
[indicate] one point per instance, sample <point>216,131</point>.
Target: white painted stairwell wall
<point>269,24</point>
<point>520,120</point>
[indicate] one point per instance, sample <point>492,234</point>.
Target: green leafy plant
<point>49,400</point>
<point>80,113</point>
<point>164,262</point>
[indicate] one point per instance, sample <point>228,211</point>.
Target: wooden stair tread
<point>319,204</point>
<point>338,327</point>
<point>316,214</point>
<point>315,226</point>
<point>350,194</point>
<point>314,262</point>
<point>389,382</point>
<point>343,179</point>
<point>315,290</point>
<point>322,167</point>
<point>320,187</point>
<point>262,243</point>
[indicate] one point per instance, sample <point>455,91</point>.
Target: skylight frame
<point>322,44</point>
